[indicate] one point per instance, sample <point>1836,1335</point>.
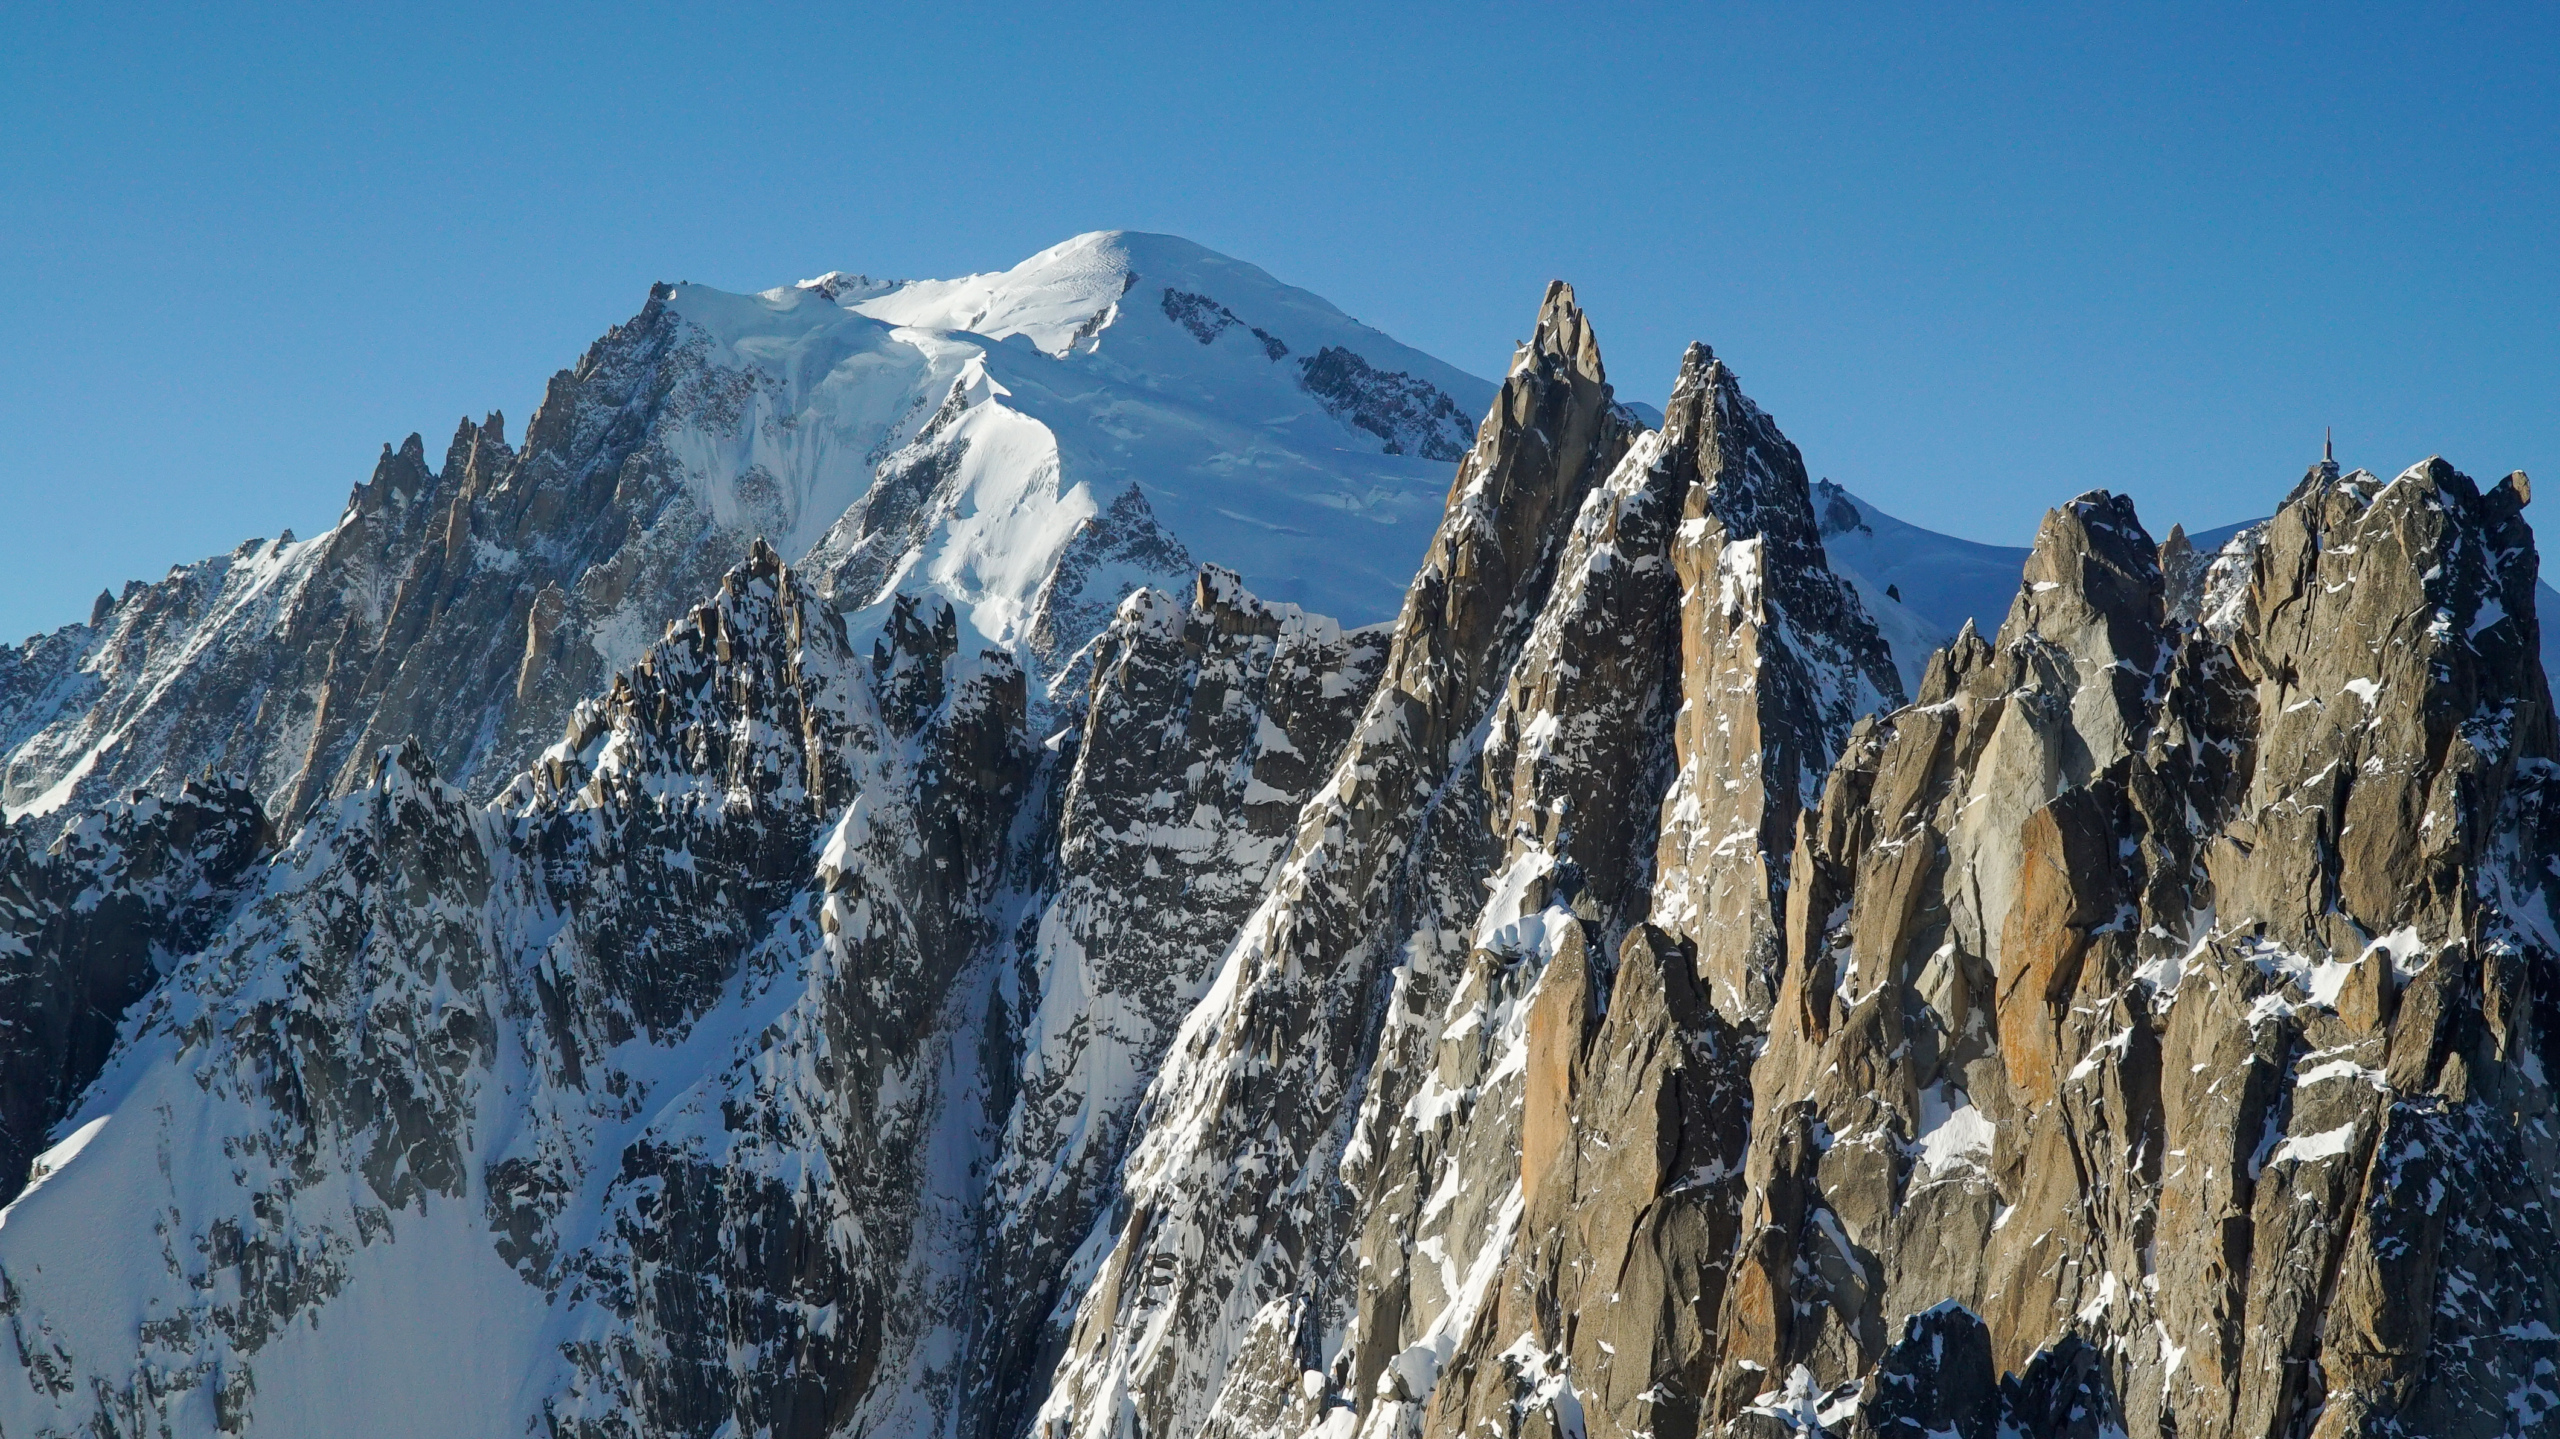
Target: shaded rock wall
<point>89,922</point>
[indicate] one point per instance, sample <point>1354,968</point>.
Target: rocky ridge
<point>1594,1002</point>
<point>2156,970</point>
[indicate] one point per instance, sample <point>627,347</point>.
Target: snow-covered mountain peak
<point>952,437</point>
<point>960,434</point>
<point>1062,299</point>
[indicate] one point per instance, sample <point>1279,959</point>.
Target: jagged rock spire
<point>1699,653</point>
<point>478,453</point>
<point>1779,658</point>
<point>1386,870</point>
<point>1601,1032</point>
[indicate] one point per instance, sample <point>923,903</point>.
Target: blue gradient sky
<point>1974,265</point>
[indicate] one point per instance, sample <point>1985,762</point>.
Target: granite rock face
<point>1593,1003</point>
<point>2116,1013</point>
<point>1654,742</point>
<point>2154,975</point>
<point>1371,1127</point>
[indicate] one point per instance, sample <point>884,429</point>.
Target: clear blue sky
<point>1974,264</point>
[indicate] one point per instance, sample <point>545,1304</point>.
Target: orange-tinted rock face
<point>2066,886</point>
<point>1560,1024</point>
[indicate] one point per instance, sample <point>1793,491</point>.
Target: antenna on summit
<point>2328,450</point>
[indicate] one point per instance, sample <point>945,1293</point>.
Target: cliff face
<point>1610,690</point>
<point>1594,1002</point>
<point>1207,729</point>
<point>2100,1043</point>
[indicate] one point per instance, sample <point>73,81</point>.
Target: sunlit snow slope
<point>1266,429</point>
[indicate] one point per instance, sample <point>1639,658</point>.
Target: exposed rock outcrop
<point>1408,413</point>
<point>1207,728</point>
<point>89,922</point>
<point>1646,640</point>
<point>1694,672</point>
<point>2147,962</point>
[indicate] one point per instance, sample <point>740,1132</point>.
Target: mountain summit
<point>1030,445</point>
